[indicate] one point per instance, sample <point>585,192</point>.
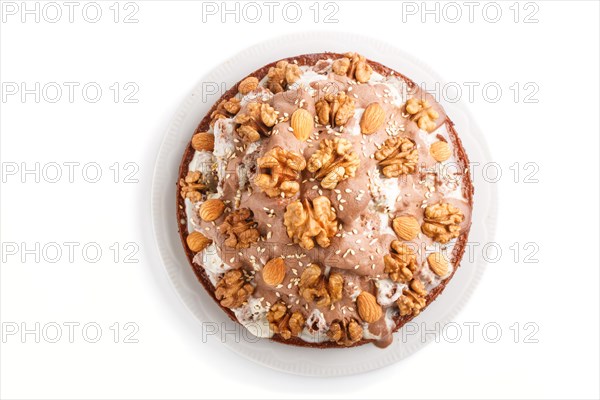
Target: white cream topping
<point>355,292</point>
<point>353,129</point>
<point>202,161</point>
<point>389,318</point>
<point>189,212</point>
<point>398,91</point>
<point>388,291</point>
<point>212,263</point>
<point>224,145</point>
<point>253,315</point>
<point>260,93</point>
<point>385,191</point>
<point>316,328</point>
<point>308,76</point>
<point>376,78</point>
<point>384,221</point>
<point>367,333</point>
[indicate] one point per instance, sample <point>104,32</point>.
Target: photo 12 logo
<point>69,92</point>
<point>270,11</point>
<point>69,172</point>
<point>69,332</point>
<point>453,12</point>
<point>69,252</point>
<point>53,12</point>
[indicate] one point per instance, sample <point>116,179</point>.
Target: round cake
<point>324,201</point>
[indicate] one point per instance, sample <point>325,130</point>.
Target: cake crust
<point>465,184</point>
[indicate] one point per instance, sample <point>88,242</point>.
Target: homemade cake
<point>324,201</point>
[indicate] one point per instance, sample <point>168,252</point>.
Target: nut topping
<point>248,133</point>
<point>248,84</point>
<point>283,322</point>
<point>282,76</point>
<point>233,290</point>
<point>335,286</point>
<point>315,288</point>
<point>368,308</point>
<point>203,141</point>
<point>442,222</point>
<point>211,209</point>
<point>333,162</point>
<point>412,300</point>
<point>401,263</point>
<point>406,227</point>
<point>335,109</point>
<point>372,119</point>
<point>440,151</point>
<point>345,332</point>
<point>397,156</point>
<point>268,115</point>
<point>197,242</point>
<point>421,112</point>
<point>192,186</point>
<point>240,229</point>
<point>225,109</point>
<point>307,223</point>
<point>281,170</point>
<point>354,66</point>
<point>273,272</point>
<point>438,263</point>
<point>257,119</point>
<point>302,124</point>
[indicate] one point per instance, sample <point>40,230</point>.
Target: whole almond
<point>372,118</point>
<point>248,84</point>
<point>368,309</point>
<point>197,242</point>
<point>274,271</point>
<point>440,151</point>
<point>203,141</point>
<point>406,227</point>
<point>211,209</point>
<point>302,123</point>
<point>438,264</point>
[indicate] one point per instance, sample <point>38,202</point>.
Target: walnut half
<point>354,66</point>
<point>284,322</point>
<point>401,263</point>
<point>345,332</point>
<point>240,229</point>
<point>421,112</point>
<point>442,222</point>
<point>333,162</point>
<point>412,300</point>
<point>225,109</point>
<point>281,170</point>
<point>256,120</point>
<point>397,156</point>
<point>282,75</point>
<point>335,109</point>
<point>192,186</point>
<point>315,288</point>
<point>307,223</point>
<point>233,290</point>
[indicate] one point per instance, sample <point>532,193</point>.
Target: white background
<point>164,54</point>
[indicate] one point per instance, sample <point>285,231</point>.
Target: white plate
<point>306,361</point>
